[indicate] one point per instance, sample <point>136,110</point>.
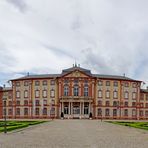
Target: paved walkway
<point>76,134</point>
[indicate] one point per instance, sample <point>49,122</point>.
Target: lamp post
<point>5,113</point>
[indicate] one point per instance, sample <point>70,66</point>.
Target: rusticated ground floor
<point>76,134</point>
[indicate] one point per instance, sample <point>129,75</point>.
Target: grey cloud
<point>19,4</point>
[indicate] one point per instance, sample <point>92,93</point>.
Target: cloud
<point>108,37</point>
<point>19,4</point>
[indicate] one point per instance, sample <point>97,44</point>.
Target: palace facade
<point>75,93</point>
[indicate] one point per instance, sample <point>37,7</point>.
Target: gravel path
<point>76,134</point>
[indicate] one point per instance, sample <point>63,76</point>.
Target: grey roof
<point>87,71</point>
<point>112,77</point>
<point>7,88</point>
<point>144,90</point>
<point>38,76</point>
<point>66,71</point>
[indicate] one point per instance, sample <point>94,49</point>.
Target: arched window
<point>115,103</point>
<point>115,94</point>
<point>26,94</point>
<point>107,103</point>
<point>44,111</point>
<point>107,112</point>
<point>17,111</point>
<point>25,111</point>
<point>126,112</point>
<point>99,112</point>
<point>76,90</point>
<point>66,90</point>
<point>114,112</point>
<point>86,90</point>
<point>99,103</point>
<point>100,93</point>
<point>107,94</point>
<point>126,94</point>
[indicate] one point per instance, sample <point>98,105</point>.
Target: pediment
<point>76,73</point>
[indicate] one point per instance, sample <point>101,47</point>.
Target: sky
<point>46,36</point>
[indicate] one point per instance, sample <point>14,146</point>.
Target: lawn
<point>141,125</point>
<point>13,125</point>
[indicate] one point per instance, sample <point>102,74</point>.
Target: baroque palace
<point>75,93</point>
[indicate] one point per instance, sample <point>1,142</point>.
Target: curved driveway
<point>76,134</point>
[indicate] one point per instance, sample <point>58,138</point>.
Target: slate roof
<point>66,71</point>
<point>144,90</point>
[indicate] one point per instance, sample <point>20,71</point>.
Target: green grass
<point>13,125</point>
<point>140,125</point>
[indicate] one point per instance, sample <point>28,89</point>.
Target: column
<point>89,107</point>
<point>80,108</point>
<point>63,107</point>
<point>69,109</point>
<point>83,108</point>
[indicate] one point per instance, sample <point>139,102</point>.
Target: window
<point>100,83</point>
<point>115,103</point>
<point>100,93</point>
<point>37,102</point>
<point>114,112</point>
<point>141,113</point>
<point>126,104</point>
<point>17,111</point>
<point>44,93</point>
<point>115,83</point>
<point>76,90</point>
<point>141,96</point>
<point>44,82</point>
<point>146,97</point>
<point>134,85</point>
<point>65,109</point>
<point>107,94</point>
<point>86,91</point>
<point>66,81</point>
<point>17,84</point>
<point>66,90</point>
<point>10,103</point>
<point>26,94</point>
<point>44,111</point>
<point>52,82</point>
<point>10,111</point>
<point>37,111</point>
<point>44,102</point>
<point>17,102</point>
<point>115,94</point>
<point>25,102</point>
<point>133,112</point>
<point>126,112</point>
<point>86,108</point>
<point>99,103</point>
<point>76,81</point>
<point>134,95</point>
<point>107,103</point>
<point>52,93</point>
<point>37,93</point>
<point>133,104</point>
<point>146,113</point>
<point>26,83</point>
<point>126,94</point>
<point>107,83</point>
<point>4,102</point>
<point>25,111</point>
<point>17,94</point>
<point>126,84</point>
<point>99,112</point>
<point>107,112</point>
<point>146,105</point>
<point>37,83</point>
